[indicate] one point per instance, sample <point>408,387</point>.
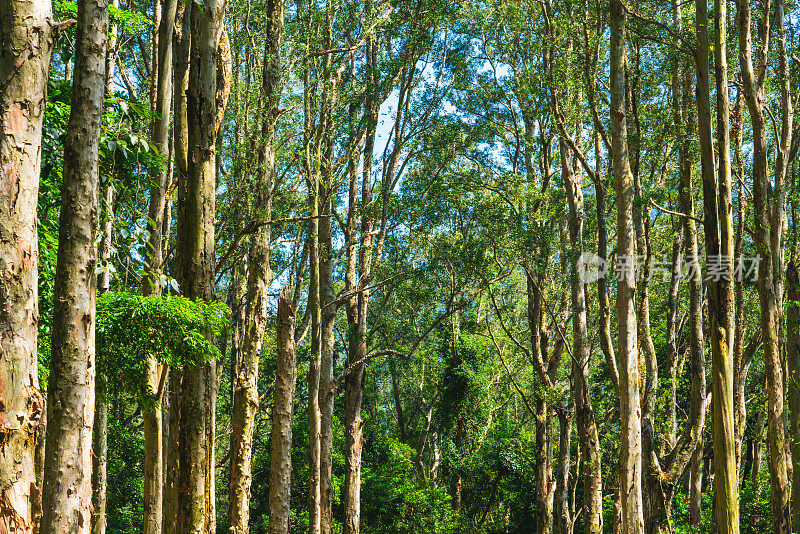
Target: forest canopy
<point>399,266</point>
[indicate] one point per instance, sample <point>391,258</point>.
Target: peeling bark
<point>281,452</point>
<point>66,499</point>
<point>25,54</point>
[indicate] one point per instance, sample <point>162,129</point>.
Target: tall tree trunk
<point>315,309</point>
<point>695,287</point>
<point>758,444</point>
<point>719,250</point>
<point>196,269</point>
<point>153,422</point>
<point>66,499</point>
<point>245,383</point>
<point>100,433</point>
<point>327,333</point>
<point>793,366</point>
<point>766,221</point>
<point>696,487</point>
<point>563,509</point>
<point>630,410</point>
<point>172,462</point>
<point>543,470</point>
<point>587,426</point>
<point>357,310</point>
<point>180,143</point>
<point>22,104</point>
<point>281,452</point>
<point>740,366</point>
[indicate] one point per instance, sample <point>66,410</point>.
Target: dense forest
<point>399,266</point>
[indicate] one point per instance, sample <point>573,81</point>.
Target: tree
<point>66,498</point>
<point>245,392</point>
<point>22,104</point>
<point>195,269</point>
<point>629,398</point>
<point>280,457</point>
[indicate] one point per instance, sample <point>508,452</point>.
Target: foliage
<point>394,499</point>
<point>176,331</point>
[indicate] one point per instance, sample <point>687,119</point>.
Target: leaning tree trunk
<point>66,499</point>
<point>281,451</point>
<point>245,383</point>
<point>195,510</point>
<point>27,42</point>
<point>630,411</point>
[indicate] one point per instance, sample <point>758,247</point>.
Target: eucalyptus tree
<point>152,285</point>
<point>22,103</point>
<point>629,396</point>
<point>67,490</point>
<point>245,388</point>
<point>195,262</point>
<point>769,208</point>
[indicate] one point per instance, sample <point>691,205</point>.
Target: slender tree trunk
<point>630,409</point>
<point>563,511</point>
<point>726,478</point>
<point>171,464</point>
<point>66,500</point>
<point>696,487</point>
<point>196,269</point>
<point>180,144</point>
<point>543,470</point>
<point>326,370</point>
<point>758,445</point>
<point>357,316</point>
<point>793,366</point>
<point>245,382</point>
<point>281,452</point>
<point>719,250</point>
<point>766,220</point>
<point>314,414</point>
<point>152,521</point>
<point>740,366</point>
<point>100,434</point>
<point>695,288</point>
<point>22,104</point>
<point>587,426</point>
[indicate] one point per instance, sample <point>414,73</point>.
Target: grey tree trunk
<point>326,370</point>
<point>587,426</point>
<point>767,207</point>
<point>281,451</point>
<point>245,383</point>
<point>630,408</point>
<point>66,499</point>
<point>22,104</point>
<point>357,316</point>
<point>100,434</point>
